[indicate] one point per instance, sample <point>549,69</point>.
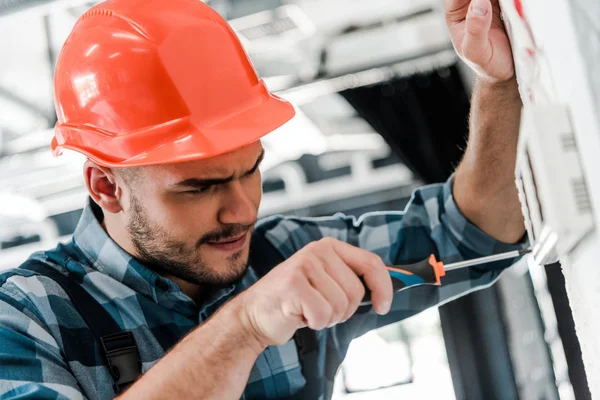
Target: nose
<point>237,205</point>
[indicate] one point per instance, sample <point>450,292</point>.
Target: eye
<point>197,191</point>
<point>252,172</point>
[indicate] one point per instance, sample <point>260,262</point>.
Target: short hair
<point>129,175</point>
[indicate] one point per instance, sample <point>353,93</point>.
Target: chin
<point>231,268</point>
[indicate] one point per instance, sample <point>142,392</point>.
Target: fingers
<point>318,287</point>
<point>374,272</point>
<point>347,280</point>
<point>476,46</point>
<point>332,269</point>
<point>316,308</point>
<point>336,297</point>
<point>456,10</point>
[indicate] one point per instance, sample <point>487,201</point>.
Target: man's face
<point>193,220</point>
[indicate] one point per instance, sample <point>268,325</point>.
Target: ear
<point>103,187</point>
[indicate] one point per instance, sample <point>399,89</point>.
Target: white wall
<point>566,37</point>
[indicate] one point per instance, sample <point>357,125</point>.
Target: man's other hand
<point>480,39</point>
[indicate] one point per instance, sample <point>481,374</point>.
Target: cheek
<point>185,217</point>
<point>254,189</point>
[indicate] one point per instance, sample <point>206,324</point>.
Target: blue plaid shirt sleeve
<point>430,224</point>
<point>31,363</point>
<point>43,338</point>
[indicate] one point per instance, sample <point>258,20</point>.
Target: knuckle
<point>294,279</point>
<point>312,260</point>
<point>356,302</point>
<point>310,248</point>
<point>313,246</point>
<point>357,294</point>
<point>375,260</point>
<point>474,28</point>
<point>321,257</point>
<point>305,261</point>
<point>339,309</point>
<point>327,242</point>
<point>326,311</point>
<point>352,307</point>
<point>323,316</point>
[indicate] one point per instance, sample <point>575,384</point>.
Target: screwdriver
<point>430,271</point>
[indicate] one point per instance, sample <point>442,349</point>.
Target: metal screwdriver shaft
<point>488,259</point>
<point>430,271</point>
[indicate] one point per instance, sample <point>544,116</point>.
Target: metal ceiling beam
<point>308,92</point>
<point>24,103</point>
<point>52,59</point>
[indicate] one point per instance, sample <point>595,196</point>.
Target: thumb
<point>476,44</point>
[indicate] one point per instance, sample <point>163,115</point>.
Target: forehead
<point>214,167</point>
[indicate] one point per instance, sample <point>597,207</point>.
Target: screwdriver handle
<point>426,272</point>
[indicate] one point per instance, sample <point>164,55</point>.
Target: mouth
<point>230,244</point>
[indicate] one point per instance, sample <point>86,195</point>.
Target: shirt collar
<point>107,257</point>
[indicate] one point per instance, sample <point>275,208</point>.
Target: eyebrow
<point>204,182</point>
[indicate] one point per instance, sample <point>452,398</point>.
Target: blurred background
<point>382,105</point>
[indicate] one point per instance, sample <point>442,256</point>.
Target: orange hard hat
<point>142,82</point>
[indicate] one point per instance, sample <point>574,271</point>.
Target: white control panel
<point>552,186</point>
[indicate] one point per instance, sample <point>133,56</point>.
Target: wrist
<point>508,87</point>
<point>237,311</point>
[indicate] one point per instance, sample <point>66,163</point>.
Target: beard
<point>165,255</point>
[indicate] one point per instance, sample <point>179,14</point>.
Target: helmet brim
<point>185,142</point>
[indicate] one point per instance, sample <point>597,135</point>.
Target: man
<point>164,102</point>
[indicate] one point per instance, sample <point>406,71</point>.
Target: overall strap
<point>120,349</point>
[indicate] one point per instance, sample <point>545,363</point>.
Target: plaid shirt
<point>40,330</point>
